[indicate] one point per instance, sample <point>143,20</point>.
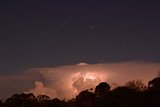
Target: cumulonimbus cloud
<point>67,81</point>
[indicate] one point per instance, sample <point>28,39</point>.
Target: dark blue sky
<point>40,33</point>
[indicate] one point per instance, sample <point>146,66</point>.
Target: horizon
<point>51,44</point>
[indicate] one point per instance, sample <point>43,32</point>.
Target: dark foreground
<point>133,94</point>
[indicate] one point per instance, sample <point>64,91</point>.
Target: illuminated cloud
<point>68,81</point>
<point>40,89</point>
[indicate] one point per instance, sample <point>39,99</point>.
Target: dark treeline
<point>132,94</point>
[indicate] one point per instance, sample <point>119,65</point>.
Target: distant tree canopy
<point>132,94</point>
<point>21,99</point>
<point>103,87</point>
<point>41,98</point>
<point>154,84</point>
<point>137,85</point>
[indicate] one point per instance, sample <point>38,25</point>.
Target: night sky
<point>43,33</point>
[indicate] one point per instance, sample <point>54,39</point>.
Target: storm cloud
<point>67,81</point>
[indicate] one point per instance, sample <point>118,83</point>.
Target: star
<point>92,27</point>
<point>64,23</point>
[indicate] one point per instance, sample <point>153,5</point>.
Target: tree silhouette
<point>102,88</point>
<point>85,99</point>
<point>137,85</point>
<point>42,98</point>
<point>21,100</point>
<point>102,94</point>
<point>153,93</point>
<point>154,84</point>
<point>1,103</point>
